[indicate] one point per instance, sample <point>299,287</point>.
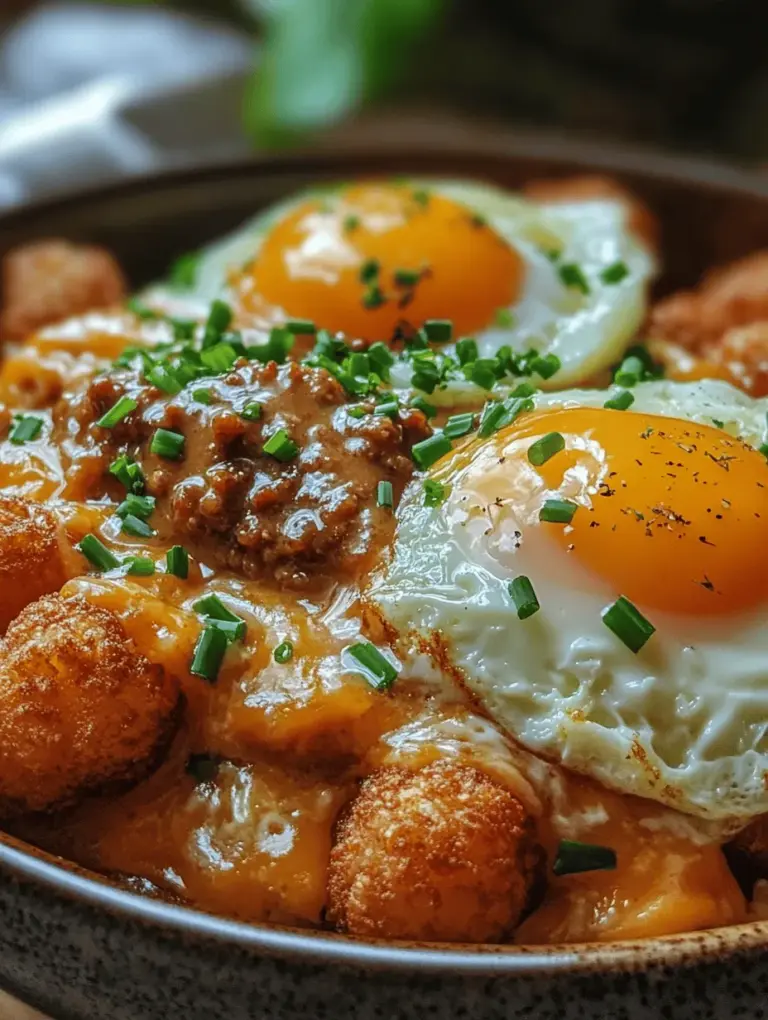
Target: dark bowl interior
<point>83,948</point>
<point>709,214</point>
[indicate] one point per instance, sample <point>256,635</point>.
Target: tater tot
<point>640,219</point>
<point>31,561</point>
<point>731,296</point>
<point>80,709</point>
<point>52,280</point>
<point>444,854</point>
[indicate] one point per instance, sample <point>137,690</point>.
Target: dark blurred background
<point>183,81</point>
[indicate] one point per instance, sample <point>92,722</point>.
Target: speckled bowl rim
<point>32,866</point>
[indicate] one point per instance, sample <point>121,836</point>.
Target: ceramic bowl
<point>79,948</point>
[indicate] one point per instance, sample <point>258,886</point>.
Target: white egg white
<point>684,722</point>
<point>586,332</point>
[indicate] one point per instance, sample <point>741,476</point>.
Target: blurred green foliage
<point>322,59</point>
<point>319,60</point>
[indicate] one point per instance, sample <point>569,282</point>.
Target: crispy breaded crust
<point>640,219</point>
<point>80,709</point>
<point>728,297</point>
<point>444,854</point>
<point>31,561</point>
<point>51,280</point>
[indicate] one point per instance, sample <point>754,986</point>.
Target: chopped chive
<point>426,375</point>
<point>482,372</point>
<point>183,329</point>
<point>763,448</point>
<point>301,327</point>
<point>546,366</point>
<point>628,624</point>
<point>356,411</point>
<point>164,379</point>
<point>429,451</point>
<point>718,424</point>
<point>218,322</point>
<point>406,277</point>
<point>167,444</point>
<point>629,372</point>
<point>280,446</point>
<point>381,359</point>
<point>438,331</point>
<point>557,511</point>
<point>284,652</point>
<point>427,409</point>
<point>375,667</point>
<point>523,596</point>
<point>614,273</point>
<point>390,408</point>
<point>129,473</point>
<point>177,562</point>
<point>217,615</point>
<point>139,506</point>
<point>553,254</point>
<point>251,411</point>
<point>420,196</point>
<point>133,525</point>
<point>573,858</point>
<point>572,275</point>
<point>141,311</point>
<point>351,223</point>
<point>140,566</point>
<point>466,350</point>
<point>202,396</point>
<point>384,494</point>
<point>524,389</point>
<point>219,358</point>
<point>492,418</point>
<point>374,297</point>
<point>459,425</point>
<point>97,553</point>
<point>25,428</point>
<point>434,492</point>
<point>184,270</point>
<point>498,414</point>
<point>621,401</point>
<point>209,653</point>
<point>545,448</point>
<point>478,220</point>
<point>369,271</point>
<point>117,412</point>
<point>504,317</point>
<point>275,349</point>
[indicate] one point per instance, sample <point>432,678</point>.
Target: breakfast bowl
<point>102,938</point>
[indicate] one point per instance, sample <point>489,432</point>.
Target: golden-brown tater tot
<point>444,853</point>
<point>31,561</point>
<point>743,354</point>
<point>640,219</point>
<point>80,709</point>
<point>51,280</point>
<point>728,297</point>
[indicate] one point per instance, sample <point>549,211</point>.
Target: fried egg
<point>670,512</point>
<point>376,260</point>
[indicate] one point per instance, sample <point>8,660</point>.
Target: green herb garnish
<point>628,624</point>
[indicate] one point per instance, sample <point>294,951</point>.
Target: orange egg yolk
<point>671,514</point>
<point>374,257</point>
